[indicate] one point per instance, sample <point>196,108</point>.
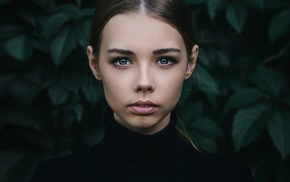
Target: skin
<point>152,68</point>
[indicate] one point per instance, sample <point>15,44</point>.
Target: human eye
<point>166,61</point>
<point>121,62</point>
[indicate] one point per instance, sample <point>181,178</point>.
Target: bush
<point>237,102</point>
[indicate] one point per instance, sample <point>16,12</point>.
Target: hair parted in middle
<point>174,12</point>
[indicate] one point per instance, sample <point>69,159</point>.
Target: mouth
<point>143,107</point>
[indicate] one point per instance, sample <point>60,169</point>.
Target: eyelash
<point>116,60</point>
<point>170,59</point>
<point>116,63</point>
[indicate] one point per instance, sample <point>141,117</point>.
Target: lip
<point>143,107</point>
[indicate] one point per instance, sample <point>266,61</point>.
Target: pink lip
<point>143,107</point>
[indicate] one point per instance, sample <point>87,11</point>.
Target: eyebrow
<point>121,51</point>
<point>155,52</point>
<point>165,50</point>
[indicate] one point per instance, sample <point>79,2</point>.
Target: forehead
<point>134,29</point>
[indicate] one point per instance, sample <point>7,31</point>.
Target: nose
<point>144,81</point>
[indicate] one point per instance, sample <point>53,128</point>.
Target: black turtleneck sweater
<point>125,156</point>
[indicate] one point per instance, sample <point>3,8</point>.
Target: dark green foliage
<point>237,103</point>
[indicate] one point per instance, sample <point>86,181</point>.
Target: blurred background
<point>236,104</point>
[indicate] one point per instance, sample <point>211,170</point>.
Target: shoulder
<point>211,166</point>
<point>71,167</point>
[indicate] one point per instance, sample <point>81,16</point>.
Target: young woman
<point>142,51</point>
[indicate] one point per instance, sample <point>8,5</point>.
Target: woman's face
<point>142,64</point>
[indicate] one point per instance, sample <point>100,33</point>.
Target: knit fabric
<point>125,156</point>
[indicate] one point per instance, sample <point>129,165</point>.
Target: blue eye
<point>166,61</point>
<point>121,61</point>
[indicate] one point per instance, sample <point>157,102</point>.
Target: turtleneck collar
<point>127,147</point>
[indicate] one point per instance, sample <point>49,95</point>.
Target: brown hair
<point>174,12</point>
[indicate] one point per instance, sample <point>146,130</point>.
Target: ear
<point>93,63</point>
<point>192,61</point>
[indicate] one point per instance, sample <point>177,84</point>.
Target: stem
<point>277,55</point>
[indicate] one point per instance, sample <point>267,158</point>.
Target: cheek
<point>171,86</point>
<point>116,87</point>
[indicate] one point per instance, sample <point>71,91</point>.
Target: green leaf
<point>207,144</point>
<point>236,16</point>
<point>205,81</point>
<point>271,81</point>
<point>206,127</point>
<point>57,94</point>
<point>19,47</point>
<point>83,37</point>
<point>48,74</point>
<point>204,132</point>
<point>34,73</point>
<point>259,4</point>
<point>77,110</point>
<point>79,2</point>
<point>18,164</point>
<point>54,24</point>
<point>4,2</point>
<point>6,79</point>
<point>241,76</point>
<point>92,90</point>
<point>285,56</point>
<point>10,30</point>
<point>279,25</point>
<point>279,128</point>
<point>23,92</point>
<point>92,136</point>
<point>71,81</point>
<point>214,6</point>
<point>267,165</point>
<point>186,90</point>
<point>277,4</point>
<point>244,97</point>
<point>19,117</point>
<point>195,2</point>
<point>5,85</point>
<point>28,15</point>
<point>214,100</point>
<point>214,58</point>
<point>193,111</point>
<point>223,58</point>
<point>44,4</point>
<point>62,44</point>
<point>245,63</point>
<point>286,100</point>
<point>9,159</point>
<point>71,10</point>
<point>283,174</point>
<point>87,12</point>
<point>248,125</point>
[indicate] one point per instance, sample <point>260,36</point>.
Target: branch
<point>276,56</point>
